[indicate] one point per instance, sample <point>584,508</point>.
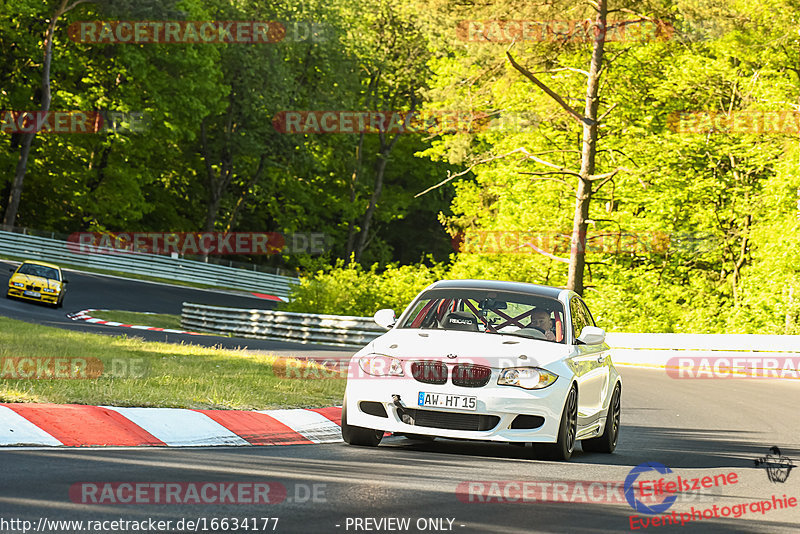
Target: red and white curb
<point>269,297</point>
<point>84,315</point>
<point>75,425</point>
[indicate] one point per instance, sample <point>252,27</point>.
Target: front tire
<point>356,435</point>
<point>607,442</point>
<point>561,450</point>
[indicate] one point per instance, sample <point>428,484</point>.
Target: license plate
<point>442,400</point>
<point>32,294</point>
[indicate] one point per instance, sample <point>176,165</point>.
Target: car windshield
<point>39,270</point>
<point>494,312</point>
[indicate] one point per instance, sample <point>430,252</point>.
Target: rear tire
<point>356,435</point>
<point>561,451</point>
<point>607,442</point>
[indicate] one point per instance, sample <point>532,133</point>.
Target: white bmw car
<point>487,360</point>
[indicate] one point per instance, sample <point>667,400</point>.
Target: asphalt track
<point>695,427</point>
<point>96,291</point>
<point>701,427</point>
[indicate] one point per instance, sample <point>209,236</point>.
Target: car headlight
<point>379,365</point>
<point>526,377</point>
<point>18,284</point>
<point>49,290</point>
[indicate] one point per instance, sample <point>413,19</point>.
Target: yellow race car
<point>38,281</point>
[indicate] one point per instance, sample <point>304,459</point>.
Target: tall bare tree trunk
<point>589,122</point>
<point>380,170</point>
<point>351,226</point>
<point>15,195</point>
<point>577,257</point>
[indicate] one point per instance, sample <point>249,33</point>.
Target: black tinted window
<point>39,270</point>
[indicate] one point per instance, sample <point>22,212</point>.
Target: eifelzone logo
<point>630,494</point>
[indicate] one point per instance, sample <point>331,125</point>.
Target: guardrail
<point>710,355</point>
<point>635,347</point>
<point>339,330</point>
<point>650,350</point>
<point>42,248</point>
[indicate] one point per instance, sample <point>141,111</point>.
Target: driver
<point>540,320</point>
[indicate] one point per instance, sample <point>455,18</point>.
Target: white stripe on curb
<point>16,430</point>
<point>313,426</point>
<point>83,315</point>
<point>178,427</point>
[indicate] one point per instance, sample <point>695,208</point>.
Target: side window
<point>587,316</point>
<point>578,317</point>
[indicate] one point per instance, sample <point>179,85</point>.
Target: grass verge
<point>138,373</point>
<point>159,320</point>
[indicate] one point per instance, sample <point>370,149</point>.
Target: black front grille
<point>451,420</point>
<point>471,376</point>
<point>429,372</point>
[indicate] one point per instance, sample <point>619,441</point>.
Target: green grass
<point>177,376</point>
<point>159,320</point>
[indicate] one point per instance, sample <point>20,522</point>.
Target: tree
<point>27,138</point>
<point>392,54</point>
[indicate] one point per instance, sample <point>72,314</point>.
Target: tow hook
<point>401,410</point>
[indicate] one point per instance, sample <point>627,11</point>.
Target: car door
<point>591,366</point>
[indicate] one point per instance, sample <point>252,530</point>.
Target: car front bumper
<point>500,406</point>
<point>48,298</point>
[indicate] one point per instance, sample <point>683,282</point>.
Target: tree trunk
<point>577,258</point>
<point>351,226</point>
<point>380,169</point>
<point>262,161</point>
<point>15,195</point>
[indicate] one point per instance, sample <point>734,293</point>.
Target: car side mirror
<point>66,281</point>
<point>592,335</point>
<point>385,318</point>
<point>11,269</point>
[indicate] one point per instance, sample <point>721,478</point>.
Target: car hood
<point>494,350</point>
<point>36,280</point>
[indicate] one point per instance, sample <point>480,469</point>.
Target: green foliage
<point>352,290</point>
<point>722,206</point>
